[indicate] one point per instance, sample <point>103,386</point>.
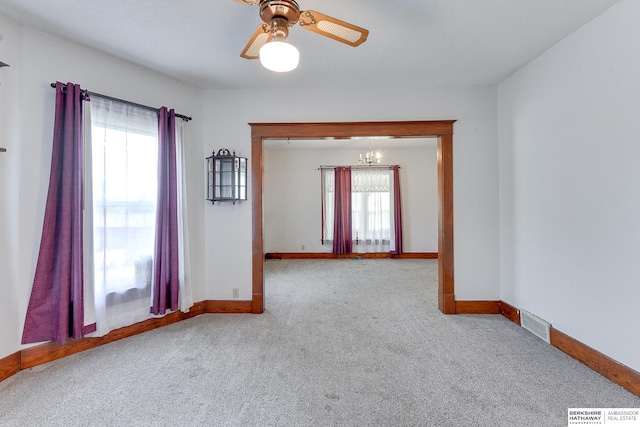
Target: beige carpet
<point>342,343</point>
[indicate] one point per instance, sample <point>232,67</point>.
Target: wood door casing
<point>441,129</point>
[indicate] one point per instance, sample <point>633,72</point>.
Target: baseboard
<point>228,307</point>
<point>510,312</point>
<point>37,355</point>
<point>488,307</point>
<point>9,366</point>
<point>477,307</point>
<point>328,255</point>
<point>48,352</point>
<point>604,365</point>
<point>612,370</point>
<point>415,255</point>
<point>305,255</point>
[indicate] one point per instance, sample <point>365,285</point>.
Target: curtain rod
<point>183,117</point>
<point>357,166</point>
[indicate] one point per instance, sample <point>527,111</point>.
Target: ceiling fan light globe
<point>279,56</point>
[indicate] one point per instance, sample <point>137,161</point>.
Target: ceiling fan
<point>269,41</point>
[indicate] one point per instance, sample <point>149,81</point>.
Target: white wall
<point>292,202</point>
<point>476,213</point>
<point>221,233</point>
<point>570,185</point>
<point>36,60</point>
<point>10,107</point>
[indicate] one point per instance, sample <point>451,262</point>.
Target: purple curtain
<point>165,278</point>
<point>397,210</point>
<point>342,239</point>
<point>56,307</point>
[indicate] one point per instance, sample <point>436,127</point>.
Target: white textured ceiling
<point>411,42</point>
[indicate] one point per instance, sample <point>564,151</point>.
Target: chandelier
<point>370,157</point>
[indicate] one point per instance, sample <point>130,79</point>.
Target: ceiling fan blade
<point>333,28</point>
<point>249,2</point>
<point>259,38</point>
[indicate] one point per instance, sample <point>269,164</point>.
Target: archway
<point>442,130</point>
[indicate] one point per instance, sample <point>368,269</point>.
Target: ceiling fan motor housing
<point>282,10</point>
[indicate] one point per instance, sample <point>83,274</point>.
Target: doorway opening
<point>442,130</point>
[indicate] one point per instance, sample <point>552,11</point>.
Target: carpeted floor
<point>342,343</point>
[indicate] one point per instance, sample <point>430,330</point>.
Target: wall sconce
<point>226,177</point>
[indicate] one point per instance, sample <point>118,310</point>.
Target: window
<point>106,190</point>
<point>371,208</point>
<point>124,172</point>
<point>120,209</point>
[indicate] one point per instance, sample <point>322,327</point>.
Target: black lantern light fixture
<point>226,177</point>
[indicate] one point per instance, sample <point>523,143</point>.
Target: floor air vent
<point>535,325</point>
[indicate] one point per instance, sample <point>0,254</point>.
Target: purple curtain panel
<point>342,239</point>
<point>56,307</point>
<point>166,280</point>
<point>397,210</point>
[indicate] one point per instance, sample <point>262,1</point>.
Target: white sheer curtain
<point>121,224</point>
<point>371,209</point>
<point>328,201</point>
<point>392,215</point>
<point>87,218</point>
<point>185,293</point>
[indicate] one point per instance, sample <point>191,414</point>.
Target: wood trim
<point>257,248</point>
<point>477,307</point>
<point>448,304</point>
<point>257,304</point>
<point>416,255</point>
<point>602,364</point>
<point>44,353</point>
<point>9,366</point>
<point>445,225</point>
<point>510,312</point>
<point>442,129</point>
<point>225,306</point>
<point>328,255</point>
<point>349,129</point>
<point>48,352</point>
<point>605,366</point>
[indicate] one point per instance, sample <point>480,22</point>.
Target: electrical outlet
<point>236,293</point>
